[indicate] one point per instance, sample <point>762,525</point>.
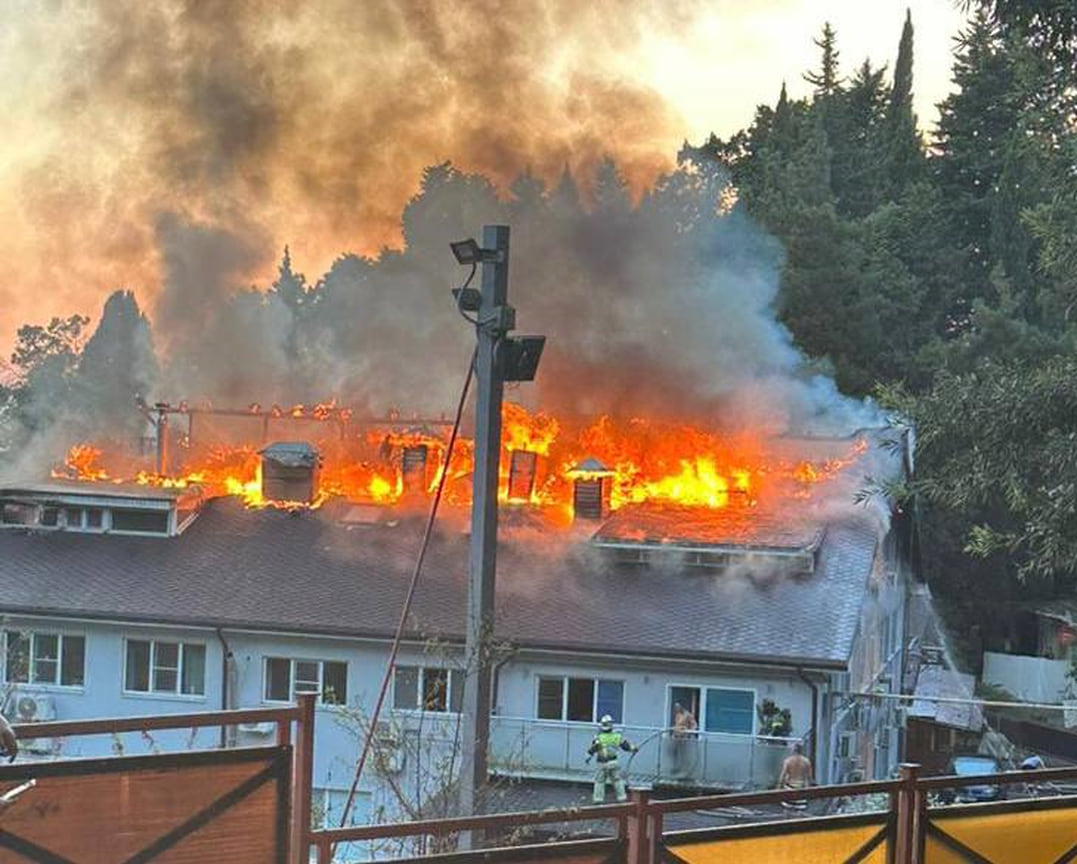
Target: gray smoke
<point>662,308</point>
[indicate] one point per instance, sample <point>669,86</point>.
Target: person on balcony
<point>605,748</point>
<point>796,773</point>
<point>684,731</point>
<point>9,746</point>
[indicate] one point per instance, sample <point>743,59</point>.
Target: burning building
<point>640,566</point>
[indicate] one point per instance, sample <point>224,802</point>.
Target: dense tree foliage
<point>943,274</point>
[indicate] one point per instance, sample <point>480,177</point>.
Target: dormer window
<point>99,508</point>
<point>14,513</point>
<point>140,521</point>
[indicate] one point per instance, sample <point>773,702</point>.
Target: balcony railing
<point>550,749</point>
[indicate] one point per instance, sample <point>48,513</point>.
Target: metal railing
<point>909,813</point>
<point>550,749</point>
<point>903,824</point>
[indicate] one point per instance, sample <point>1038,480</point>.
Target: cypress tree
<point>905,156</point>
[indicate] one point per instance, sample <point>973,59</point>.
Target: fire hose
<point>638,747</point>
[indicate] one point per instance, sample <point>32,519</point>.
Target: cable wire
<point>402,623</point>
<point>460,294</point>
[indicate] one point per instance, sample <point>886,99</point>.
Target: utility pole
<point>495,319</point>
<point>499,357</point>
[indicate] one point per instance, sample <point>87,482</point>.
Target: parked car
<point>973,766</point>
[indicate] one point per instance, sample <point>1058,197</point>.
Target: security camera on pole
<point>498,358</point>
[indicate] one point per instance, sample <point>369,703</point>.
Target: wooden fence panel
<point>229,805</point>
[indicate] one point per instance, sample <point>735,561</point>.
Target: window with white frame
<point>158,666</point>
<point>717,709</point>
<point>327,808</point>
<point>582,700</point>
<point>286,676</point>
<point>33,657</point>
<point>428,688</point>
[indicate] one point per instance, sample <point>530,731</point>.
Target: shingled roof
<point>314,573</point>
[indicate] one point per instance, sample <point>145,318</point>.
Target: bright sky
<point>113,114</point>
<point>743,50</point>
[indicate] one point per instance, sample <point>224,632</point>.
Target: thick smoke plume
<point>233,128</point>
<point>303,122</point>
<point>664,309</point>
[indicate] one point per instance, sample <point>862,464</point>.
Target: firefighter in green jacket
<point>605,748</point>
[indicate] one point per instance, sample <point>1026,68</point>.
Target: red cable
<point>410,595</point>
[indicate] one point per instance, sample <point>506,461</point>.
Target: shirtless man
<point>796,773</point>
<point>9,745</point>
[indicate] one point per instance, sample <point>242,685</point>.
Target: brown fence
<point>254,805</point>
<point>231,805</point>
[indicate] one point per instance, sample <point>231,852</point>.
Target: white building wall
<point>1030,679</point>
<point>717,758</point>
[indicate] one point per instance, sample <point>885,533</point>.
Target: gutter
<point>814,714</point>
<point>654,657</point>
<point>226,662</point>
<point>698,658</point>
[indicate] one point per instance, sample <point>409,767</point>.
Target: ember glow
<point>399,463</point>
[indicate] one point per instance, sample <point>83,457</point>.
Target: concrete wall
<point>1030,679</point>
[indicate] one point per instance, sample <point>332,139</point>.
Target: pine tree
<point>565,198</point>
<point>290,287</point>
<point>117,364</point>
<point>611,191</point>
<point>826,81</point>
<point>975,121</point>
<point>527,191</point>
<point>859,146</point>
<point>905,155</point>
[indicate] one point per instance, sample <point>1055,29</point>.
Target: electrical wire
<point>460,293</point>
<point>958,700</point>
<point>402,623</point>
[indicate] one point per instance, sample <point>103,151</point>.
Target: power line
<point>987,703</point>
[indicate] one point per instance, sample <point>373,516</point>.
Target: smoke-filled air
<point>655,290</point>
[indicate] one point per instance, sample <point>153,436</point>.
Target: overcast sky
<point>309,123</point>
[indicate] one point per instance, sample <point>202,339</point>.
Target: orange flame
<point>399,465</point>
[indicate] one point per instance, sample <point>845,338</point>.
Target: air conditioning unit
<point>389,754</point>
<point>257,728</point>
<point>35,708</point>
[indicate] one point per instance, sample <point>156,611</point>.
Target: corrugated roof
<point>309,573</point>
<point>935,680</point>
<point>736,525</point>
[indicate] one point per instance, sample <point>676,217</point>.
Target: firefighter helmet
<point>606,722</point>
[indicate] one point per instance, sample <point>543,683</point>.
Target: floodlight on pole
<point>466,251</point>
<point>499,357</point>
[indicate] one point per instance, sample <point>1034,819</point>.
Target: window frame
<point>33,633</point>
<point>292,692</point>
<point>322,801</point>
<point>110,527</point>
<point>565,679</point>
<point>181,660</point>
<point>452,674</point>
<point>82,526</point>
<point>701,717</point>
